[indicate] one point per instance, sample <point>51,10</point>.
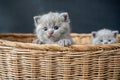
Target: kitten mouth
<point>51,36</point>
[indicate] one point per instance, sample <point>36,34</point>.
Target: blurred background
<point>16,16</point>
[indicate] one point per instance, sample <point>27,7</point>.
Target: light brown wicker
<point>22,60</point>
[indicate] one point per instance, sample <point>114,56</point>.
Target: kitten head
<point>52,26</point>
<point>104,36</point>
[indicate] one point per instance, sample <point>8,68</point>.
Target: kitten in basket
<point>104,36</point>
<point>53,28</point>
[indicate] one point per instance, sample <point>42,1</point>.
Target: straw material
<point>22,60</point>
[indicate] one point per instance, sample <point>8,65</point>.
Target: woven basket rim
<point>33,35</point>
<point>55,47</point>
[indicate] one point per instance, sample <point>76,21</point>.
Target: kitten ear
<point>115,33</point>
<point>65,17</point>
<point>93,34</point>
<point>36,19</point>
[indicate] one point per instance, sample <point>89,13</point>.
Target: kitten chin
<point>53,28</point>
<point>104,36</point>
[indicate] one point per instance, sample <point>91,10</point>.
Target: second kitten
<point>104,36</point>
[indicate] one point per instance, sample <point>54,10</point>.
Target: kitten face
<point>104,36</point>
<point>51,31</point>
<point>104,40</point>
<point>52,27</point>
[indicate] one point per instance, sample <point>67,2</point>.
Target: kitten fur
<point>104,36</point>
<point>53,28</point>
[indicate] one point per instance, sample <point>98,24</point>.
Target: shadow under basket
<point>22,60</point>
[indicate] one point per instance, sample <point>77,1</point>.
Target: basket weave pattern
<point>22,60</point>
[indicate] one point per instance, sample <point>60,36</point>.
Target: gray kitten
<point>104,36</point>
<point>53,28</point>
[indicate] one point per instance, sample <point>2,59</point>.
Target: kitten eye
<point>56,27</point>
<point>101,40</point>
<point>45,28</point>
<point>109,40</point>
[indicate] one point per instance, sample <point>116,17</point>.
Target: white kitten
<point>104,36</point>
<point>53,28</point>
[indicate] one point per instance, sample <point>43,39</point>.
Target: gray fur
<point>104,36</point>
<point>57,24</point>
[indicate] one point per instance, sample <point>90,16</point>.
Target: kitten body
<point>104,36</point>
<point>53,28</point>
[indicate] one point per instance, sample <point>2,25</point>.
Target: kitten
<point>53,28</point>
<point>104,36</point>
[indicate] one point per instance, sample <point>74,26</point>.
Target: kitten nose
<point>51,33</point>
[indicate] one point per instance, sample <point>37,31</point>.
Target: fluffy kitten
<point>104,36</point>
<point>53,28</point>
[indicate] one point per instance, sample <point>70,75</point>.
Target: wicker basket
<point>22,60</point>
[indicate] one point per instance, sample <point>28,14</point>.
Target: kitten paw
<point>37,41</point>
<point>65,42</point>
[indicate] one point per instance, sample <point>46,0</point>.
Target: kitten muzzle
<point>51,34</point>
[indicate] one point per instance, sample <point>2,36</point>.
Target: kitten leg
<point>65,42</point>
<point>37,41</point>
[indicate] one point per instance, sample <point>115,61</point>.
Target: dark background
<point>16,16</point>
